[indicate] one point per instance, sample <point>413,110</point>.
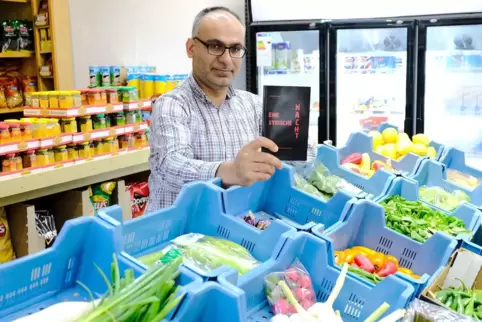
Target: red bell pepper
<point>388,269</point>
<point>355,158</point>
<point>364,263</point>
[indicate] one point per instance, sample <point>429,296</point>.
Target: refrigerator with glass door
<point>450,83</point>
<point>371,66</point>
<point>291,54</point>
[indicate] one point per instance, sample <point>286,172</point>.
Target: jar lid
<point>53,93</point>
<point>11,124</point>
<point>75,92</point>
<point>63,146</point>
<point>25,123</point>
<point>85,143</point>
<point>30,151</point>
<point>11,121</point>
<point>10,155</point>
<point>42,150</point>
<point>68,119</point>
<point>99,115</point>
<point>4,126</point>
<point>111,90</point>
<point>109,138</point>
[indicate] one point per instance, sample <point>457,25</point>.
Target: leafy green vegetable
<point>443,199</point>
<point>418,221</point>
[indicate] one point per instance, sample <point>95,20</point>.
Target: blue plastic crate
<point>432,174</point>
<point>32,283</point>
<point>365,226</point>
<point>198,209</point>
<point>455,159</point>
<point>279,198</point>
<point>356,301</point>
<point>375,186</point>
<point>408,189</point>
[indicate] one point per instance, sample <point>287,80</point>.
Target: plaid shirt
<point>190,137</point>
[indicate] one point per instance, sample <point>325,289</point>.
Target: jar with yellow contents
<point>42,156</point>
<point>39,127</point>
<point>34,100</point>
<point>76,98</point>
<point>51,155</point>
<point>85,124</point>
<point>56,129</point>
<point>68,125</point>
<point>111,145</point>
<point>43,98</point>
<point>72,152</point>
<point>140,139</point>
<point>53,99</point>
<point>65,99</point>
<point>84,150</point>
<point>61,153</point>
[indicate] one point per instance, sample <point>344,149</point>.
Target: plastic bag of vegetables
<point>426,312</point>
<point>204,254</point>
<point>440,198</point>
<point>304,185</point>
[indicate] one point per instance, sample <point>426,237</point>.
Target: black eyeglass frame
<point>207,45</point>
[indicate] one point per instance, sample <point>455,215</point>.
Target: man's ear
<point>190,47</point>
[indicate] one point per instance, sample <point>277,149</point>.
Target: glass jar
<point>26,129</point>
<point>85,124</point>
<point>94,97</point>
<point>99,121</point>
<point>39,127</point>
<point>103,96</point>
<point>108,122</point>
<point>126,141</point>
<point>61,153</point>
<point>84,98</point>
<point>29,159</point>
<point>98,147</point>
<point>15,132</point>
<point>54,99</point>
<point>138,114</point>
<point>51,154</point>
<point>43,99</point>
<point>110,145</point>
<point>49,125</point>
<point>65,99</point>
<point>120,119</point>
<point>4,133</point>
<point>28,98</point>
<point>34,100</point>
<point>42,157</point>
<point>72,152</point>
<point>130,117</point>
<point>112,96</point>
<point>130,94</point>
<point>140,139</point>
<point>84,150</point>
<point>56,129</point>
<point>92,149</point>
<point>18,162</point>
<point>9,163</point>
<point>68,125</point>
<point>76,98</point>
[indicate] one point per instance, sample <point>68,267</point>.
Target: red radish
<point>364,263</point>
<point>303,294</point>
<point>304,282</point>
<point>292,274</point>
<point>282,307</point>
<point>388,269</point>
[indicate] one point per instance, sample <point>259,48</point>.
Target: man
<point>204,128</point>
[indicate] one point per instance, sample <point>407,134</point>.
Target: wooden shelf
<point>42,27</point>
<point>42,184</point>
<point>16,1</point>
<point>17,54</point>
<point>11,110</point>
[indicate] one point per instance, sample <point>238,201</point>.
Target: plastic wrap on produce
<point>420,311</point>
<point>443,199</point>
<point>204,254</point>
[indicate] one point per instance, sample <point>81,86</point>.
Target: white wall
<point>130,32</point>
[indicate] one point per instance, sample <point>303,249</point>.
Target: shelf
<point>11,110</point>
<point>42,27</point>
<point>16,54</point>
<point>42,184</point>
<point>16,1</point>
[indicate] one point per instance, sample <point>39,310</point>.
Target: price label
<point>44,112</point>
<point>110,108</point>
<point>115,153</point>
<point>140,104</point>
<point>112,132</point>
<point>90,158</point>
<point>57,140</point>
<point>87,136</point>
<point>22,146</point>
<point>59,165</point>
<point>25,172</point>
<point>82,110</point>
<point>137,127</point>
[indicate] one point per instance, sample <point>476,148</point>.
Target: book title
<point>274,120</point>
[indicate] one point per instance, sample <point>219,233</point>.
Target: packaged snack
<point>45,223</point>
<point>139,195</point>
<point>100,194</point>
<point>13,94</point>
<point>6,248</point>
<point>25,36</point>
<point>299,282</point>
<point>10,35</point>
<point>3,97</point>
<point>261,224</point>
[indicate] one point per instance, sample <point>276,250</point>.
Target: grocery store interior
<point>383,223</point>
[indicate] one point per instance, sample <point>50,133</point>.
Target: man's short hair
<point>203,13</point>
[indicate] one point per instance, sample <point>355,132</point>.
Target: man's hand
<point>251,165</point>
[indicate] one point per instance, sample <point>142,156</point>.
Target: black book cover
<point>286,120</point>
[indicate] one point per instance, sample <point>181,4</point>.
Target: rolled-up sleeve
<point>172,158</point>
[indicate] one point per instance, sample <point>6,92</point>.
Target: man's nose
<point>225,57</point>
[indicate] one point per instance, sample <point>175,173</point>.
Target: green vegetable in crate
<point>204,253</point>
<point>418,221</point>
<point>302,184</point>
<point>445,200</point>
<point>463,300</point>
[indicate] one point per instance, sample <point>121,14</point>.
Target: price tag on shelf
<point>87,136</point>
<point>44,112</point>
<point>82,110</point>
<point>59,165</point>
<point>57,140</point>
<point>25,172</point>
<point>137,127</point>
<point>22,146</point>
<point>109,108</point>
<point>112,132</point>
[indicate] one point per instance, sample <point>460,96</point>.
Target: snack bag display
<point>139,195</point>
<point>45,224</point>
<point>100,194</point>
<point>299,282</point>
<point>6,248</point>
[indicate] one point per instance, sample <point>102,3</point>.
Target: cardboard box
<point>23,230</point>
<point>464,265</point>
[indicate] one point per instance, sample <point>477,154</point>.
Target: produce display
<point>463,300</point>
<point>395,146</point>
<point>204,253</point>
<point>292,297</point>
<point>361,163</point>
<point>318,181</point>
<point>442,199</point>
<point>370,264</point>
<point>463,179</point>
<point>420,311</point>
<point>418,221</point>
<point>250,218</point>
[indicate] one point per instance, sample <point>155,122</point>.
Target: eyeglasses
<point>218,48</point>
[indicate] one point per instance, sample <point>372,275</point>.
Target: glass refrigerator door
<point>371,73</point>
<point>453,88</point>
<point>291,58</point>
